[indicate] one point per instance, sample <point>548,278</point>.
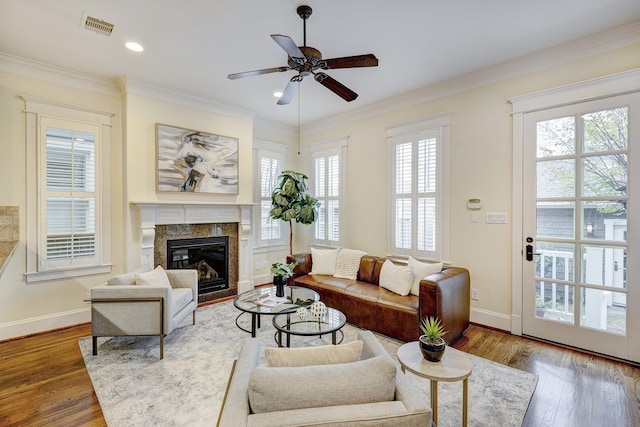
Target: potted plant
<point>541,307</point>
<point>281,272</point>
<point>291,201</point>
<point>432,344</point>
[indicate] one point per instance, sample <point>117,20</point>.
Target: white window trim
<point>440,122</point>
<point>35,109</point>
<point>260,146</point>
<point>324,148</point>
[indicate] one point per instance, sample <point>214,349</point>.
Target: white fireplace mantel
<point>165,213</point>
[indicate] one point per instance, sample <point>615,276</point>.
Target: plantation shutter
<point>270,168</point>
<point>70,201</point>
<point>327,187</point>
<point>415,192</point>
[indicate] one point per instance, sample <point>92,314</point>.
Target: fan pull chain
<point>299,96</point>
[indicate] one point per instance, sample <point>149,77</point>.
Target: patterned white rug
<point>135,388</point>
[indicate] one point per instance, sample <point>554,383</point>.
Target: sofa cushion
<point>420,271</point>
<point>348,263</point>
<point>307,356</point>
<point>127,278</point>
<point>157,277</point>
<point>324,261</point>
<point>396,278</point>
<point>282,389</point>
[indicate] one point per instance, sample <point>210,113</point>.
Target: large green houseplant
<point>291,201</point>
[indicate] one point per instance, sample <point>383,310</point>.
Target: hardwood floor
<point>574,388</point>
<point>43,381</point>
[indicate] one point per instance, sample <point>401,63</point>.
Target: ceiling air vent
<point>97,25</point>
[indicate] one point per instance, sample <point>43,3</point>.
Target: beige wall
<point>42,305</point>
<point>481,167</point>
<point>143,112</point>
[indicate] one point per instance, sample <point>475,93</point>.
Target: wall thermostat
<point>474,204</point>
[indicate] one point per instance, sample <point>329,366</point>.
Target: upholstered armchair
<point>143,303</point>
<point>371,390</point>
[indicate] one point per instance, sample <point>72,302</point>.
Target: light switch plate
<point>497,218</point>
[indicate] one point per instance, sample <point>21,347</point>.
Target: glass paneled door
<point>577,287</point>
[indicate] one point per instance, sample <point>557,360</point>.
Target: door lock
<point>530,253</point>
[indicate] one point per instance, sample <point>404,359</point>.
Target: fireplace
<point>208,255</point>
<point>160,222</point>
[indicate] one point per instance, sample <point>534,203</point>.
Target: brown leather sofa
<point>445,295</point>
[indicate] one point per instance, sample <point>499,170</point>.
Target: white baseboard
<point>46,323</point>
<point>491,319</point>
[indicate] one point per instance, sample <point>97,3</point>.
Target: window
<point>69,199</point>
<point>68,223</point>
<point>419,200</point>
<point>328,187</point>
<point>269,162</point>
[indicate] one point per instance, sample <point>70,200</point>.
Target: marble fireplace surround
<point>151,214</point>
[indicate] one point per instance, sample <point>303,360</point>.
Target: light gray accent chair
<point>407,408</point>
<point>122,308</point>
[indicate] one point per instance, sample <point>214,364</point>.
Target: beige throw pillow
<point>348,263</point>
<point>306,356</point>
<point>284,389</point>
<point>420,271</point>
<point>396,278</point>
<point>157,277</point>
<point>323,261</point>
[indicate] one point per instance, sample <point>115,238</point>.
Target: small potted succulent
<point>281,272</point>
<point>432,345</point>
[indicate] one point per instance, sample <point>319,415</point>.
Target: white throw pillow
<point>308,356</point>
<point>348,263</point>
<point>396,278</point>
<point>420,271</point>
<point>323,261</point>
<point>157,277</point>
<point>127,278</point>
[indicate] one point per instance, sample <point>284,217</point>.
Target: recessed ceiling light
<point>136,47</point>
<point>277,94</point>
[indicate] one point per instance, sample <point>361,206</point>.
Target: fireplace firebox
<point>208,255</point>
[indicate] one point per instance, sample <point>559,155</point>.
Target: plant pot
<point>433,352</point>
<point>279,282</point>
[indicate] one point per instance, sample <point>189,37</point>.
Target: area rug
<point>135,388</point>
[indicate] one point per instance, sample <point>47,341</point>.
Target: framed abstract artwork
<point>196,162</point>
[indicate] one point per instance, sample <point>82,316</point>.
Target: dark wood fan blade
<point>290,47</point>
<point>368,60</point>
<point>335,86</point>
<point>290,91</point>
<point>257,72</point>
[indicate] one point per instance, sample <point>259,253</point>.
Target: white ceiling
<point>191,45</point>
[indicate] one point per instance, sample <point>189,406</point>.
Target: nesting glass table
<point>297,297</point>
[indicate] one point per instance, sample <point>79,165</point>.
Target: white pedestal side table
<point>454,366</point>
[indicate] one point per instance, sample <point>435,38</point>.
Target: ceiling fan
<point>308,60</point>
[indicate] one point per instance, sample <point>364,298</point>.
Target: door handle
<point>530,253</point>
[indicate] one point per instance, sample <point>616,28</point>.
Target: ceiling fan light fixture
<point>307,60</point>
<point>277,94</point>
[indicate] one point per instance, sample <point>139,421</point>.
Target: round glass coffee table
<point>296,297</point>
<point>291,324</point>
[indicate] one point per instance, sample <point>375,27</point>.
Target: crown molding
<point>38,70</point>
<point>276,127</point>
<point>175,96</point>
<point>605,41</point>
